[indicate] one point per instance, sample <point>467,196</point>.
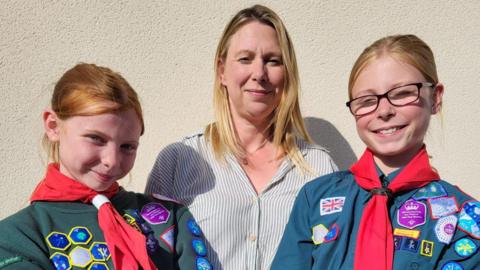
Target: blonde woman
<point>241,175</point>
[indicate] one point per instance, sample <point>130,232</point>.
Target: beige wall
<point>165,50</point>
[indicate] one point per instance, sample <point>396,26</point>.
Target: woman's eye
<point>129,148</point>
<point>244,60</point>
<point>274,61</point>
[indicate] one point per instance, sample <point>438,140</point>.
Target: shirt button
<point>252,238</point>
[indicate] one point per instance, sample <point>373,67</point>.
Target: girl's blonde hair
<point>406,48</point>
<point>287,123</point>
<point>88,89</point>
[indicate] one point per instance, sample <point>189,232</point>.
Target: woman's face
<point>390,131</point>
<point>253,73</point>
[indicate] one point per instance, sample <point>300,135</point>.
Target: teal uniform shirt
<point>66,235</point>
<point>435,227</point>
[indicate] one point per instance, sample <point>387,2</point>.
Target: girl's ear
<point>51,123</point>
<point>437,98</point>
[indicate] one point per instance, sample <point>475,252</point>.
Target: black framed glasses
<point>398,96</point>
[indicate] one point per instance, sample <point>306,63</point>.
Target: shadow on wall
<point>325,134</point>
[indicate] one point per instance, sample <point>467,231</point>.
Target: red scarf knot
<point>374,248</point>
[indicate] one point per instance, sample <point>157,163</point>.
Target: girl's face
<point>95,150</point>
<point>253,72</point>
<point>394,133</point>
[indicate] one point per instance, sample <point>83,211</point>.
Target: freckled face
<point>253,72</point>
<point>98,150</point>
<point>392,131</point>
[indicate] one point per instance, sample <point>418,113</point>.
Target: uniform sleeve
<point>162,176</point>
<point>190,245</point>
<point>296,246</point>
<point>9,261</point>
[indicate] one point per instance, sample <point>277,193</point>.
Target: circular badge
<point>465,247</point>
<point>194,228</point>
<point>452,266</point>
<point>203,264</point>
<point>199,247</point>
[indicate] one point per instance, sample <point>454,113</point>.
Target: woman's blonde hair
<point>88,89</point>
<point>287,122</point>
<point>406,48</point>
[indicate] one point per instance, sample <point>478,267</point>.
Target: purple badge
<point>445,228</point>
<point>155,213</point>
<point>412,214</point>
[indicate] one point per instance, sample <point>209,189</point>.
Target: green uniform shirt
<point>66,235</point>
<point>435,227</point>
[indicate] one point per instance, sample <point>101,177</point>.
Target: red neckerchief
<point>374,248</point>
<point>127,245</point>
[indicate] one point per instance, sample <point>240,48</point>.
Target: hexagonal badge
<point>98,266</point>
<point>80,257</point>
<point>61,261</point>
<point>80,235</point>
<point>58,240</point>
<point>99,251</point>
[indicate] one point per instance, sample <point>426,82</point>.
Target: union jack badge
<point>331,205</point>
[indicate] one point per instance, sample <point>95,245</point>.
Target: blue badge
<point>60,261</point>
<point>145,228</point>
<point>80,235</point>
<point>199,247</point>
<point>452,266</point>
<point>469,219</point>
<point>432,190</point>
<point>445,228</point>
<point>465,247</point>
<point>98,266</point>
<point>410,244</point>
<point>397,242</point>
<point>99,251</point>
<point>426,248</point>
<point>332,233</point>
<point>58,240</point>
<point>443,206</point>
<point>193,227</point>
<point>152,244</point>
<point>203,264</point>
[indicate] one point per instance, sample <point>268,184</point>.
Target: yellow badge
<point>318,234</point>
<point>407,233</point>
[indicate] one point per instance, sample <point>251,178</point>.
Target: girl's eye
<point>244,60</point>
<point>96,139</point>
<point>129,148</point>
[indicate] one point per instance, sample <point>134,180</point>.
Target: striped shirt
<point>242,228</point>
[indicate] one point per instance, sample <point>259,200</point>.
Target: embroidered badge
<point>465,247</point>
<point>445,228</point>
<point>99,251</point>
<point>412,214</point>
<point>442,206</point>
<point>331,205</point>
<point>469,219</point>
<point>80,235</point>
<point>80,257</point>
<point>432,190</point>
<point>199,247</point>
<point>60,261</point>
<point>452,266</point>
<point>193,227</point>
<point>11,260</point>
<point>152,243</point>
<point>155,213</point>
<point>98,266</point>
<point>397,242</point>
<point>318,234</point>
<point>58,240</point>
<point>410,244</point>
<point>426,248</point>
<point>407,233</point>
<point>168,237</point>
<point>131,221</point>
<point>203,264</point>
<point>332,233</point>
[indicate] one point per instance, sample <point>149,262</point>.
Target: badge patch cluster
<point>83,252</point>
<point>320,233</point>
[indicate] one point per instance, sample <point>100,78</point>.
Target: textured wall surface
<point>165,50</point>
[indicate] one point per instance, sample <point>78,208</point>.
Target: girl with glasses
<point>391,209</point>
